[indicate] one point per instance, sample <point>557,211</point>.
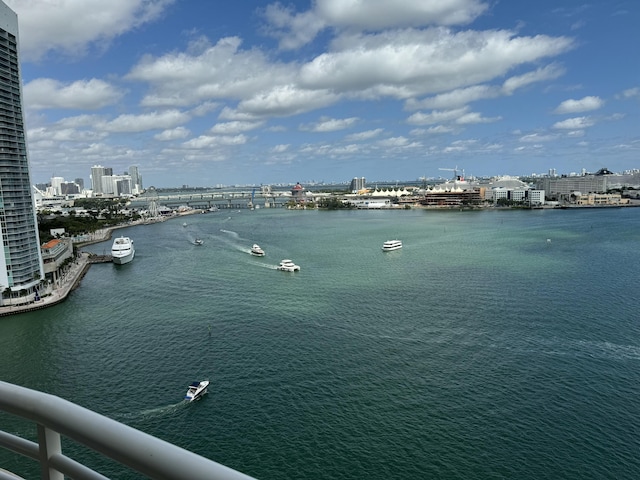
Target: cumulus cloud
<point>330,124</point>
<point>177,133</point>
<point>72,27</point>
<point>146,121</point>
<point>575,123</point>
<point>231,128</point>
<point>280,148</point>
<point>437,116</point>
<point>46,93</point>
<point>413,62</point>
<point>366,135</point>
<point>208,72</point>
<point>296,29</point>
<point>582,105</point>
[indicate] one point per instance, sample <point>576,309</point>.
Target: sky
<point>206,93</point>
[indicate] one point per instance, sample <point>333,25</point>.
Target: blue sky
<point>203,92</point>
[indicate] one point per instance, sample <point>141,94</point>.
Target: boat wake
<point>230,233</point>
<point>153,412</point>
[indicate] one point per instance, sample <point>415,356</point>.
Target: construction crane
<point>456,177</point>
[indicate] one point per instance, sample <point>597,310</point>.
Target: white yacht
<point>257,251</point>
<point>122,250</point>
<point>390,245</point>
<point>198,241</point>
<point>196,390</point>
<point>287,265</point>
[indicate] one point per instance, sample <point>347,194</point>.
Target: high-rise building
<point>21,266</point>
<point>97,172</point>
<point>358,184</point>
<point>136,179</point>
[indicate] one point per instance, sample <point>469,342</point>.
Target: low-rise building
<point>54,254</point>
<point>595,199</point>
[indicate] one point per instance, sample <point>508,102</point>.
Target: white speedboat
<point>122,250</point>
<point>287,265</point>
<point>257,251</point>
<point>390,245</point>
<point>198,241</point>
<point>196,390</point>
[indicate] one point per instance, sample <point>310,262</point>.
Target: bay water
<point>494,344</point>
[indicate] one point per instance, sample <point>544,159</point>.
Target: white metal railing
<point>139,451</point>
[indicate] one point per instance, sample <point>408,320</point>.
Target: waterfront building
<point>596,199</point>
<point>297,192</point>
<point>600,182</point>
<point>520,194</point>
<point>21,268</point>
<point>54,254</point>
<point>456,196</point>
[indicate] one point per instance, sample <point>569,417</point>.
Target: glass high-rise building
<point>20,256</point>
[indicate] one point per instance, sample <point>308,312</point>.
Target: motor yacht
<point>257,251</point>
<point>287,265</point>
<point>390,245</point>
<point>196,390</point>
<point>122,250</point>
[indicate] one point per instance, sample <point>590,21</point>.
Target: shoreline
<point>79,267</point>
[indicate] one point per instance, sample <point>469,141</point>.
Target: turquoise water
<point>479,350</point>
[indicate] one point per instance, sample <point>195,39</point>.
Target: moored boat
<point>196,390</point>
<point>257,251</point>
<point>287,265</point>
<point>390,245</point>
<point>122,250</point>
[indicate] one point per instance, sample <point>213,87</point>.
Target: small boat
<point>184,224</point>
<point>196,390</point>
<point>390,245</point>
<point>198,241</point>
<point>287,265</point>
<point>257,251</point>
<point>122,250</point>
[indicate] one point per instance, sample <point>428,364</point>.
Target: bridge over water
<point>222,199</point>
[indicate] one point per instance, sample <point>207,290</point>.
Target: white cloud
<point>415,62</point>
<point>146,121</point>
<point>231,128</point>
<point>366,135</point>
<point>73,26</point>
<point>536,138</point>
<point>46,93</point>
<point>280,148</point>
<point>474,117</point>
<point>177,133</point>
<point>575,123</point>
<point>285,100</point>
<point>209,72</point>
<point>330,124</point>
<point>207,141</point>
<point>582,105</point>
<point>631,93</point>
<point>436,116</point>
<point>296,29</point>
<point>542,74</point>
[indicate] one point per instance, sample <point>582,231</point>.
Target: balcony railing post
<point>49,444</point>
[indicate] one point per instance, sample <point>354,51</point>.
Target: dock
<point>93,258</point>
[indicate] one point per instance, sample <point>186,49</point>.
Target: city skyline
<point>199,93</point>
